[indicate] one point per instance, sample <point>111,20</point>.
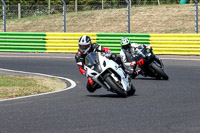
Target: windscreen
<point>91,59</point>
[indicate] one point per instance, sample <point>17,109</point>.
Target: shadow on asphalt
<point>109,96</point>
<point>148,78</point>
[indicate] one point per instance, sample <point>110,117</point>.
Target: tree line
<point>85,2</point>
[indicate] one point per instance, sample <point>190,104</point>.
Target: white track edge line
<point>73,84</point>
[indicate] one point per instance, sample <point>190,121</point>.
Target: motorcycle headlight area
<point>149,54</point>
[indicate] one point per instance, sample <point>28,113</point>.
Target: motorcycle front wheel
<point>109,80</point>
<point>132,90</point>
<point>160,71</point>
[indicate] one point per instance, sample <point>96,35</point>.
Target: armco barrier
<point>180,44</point>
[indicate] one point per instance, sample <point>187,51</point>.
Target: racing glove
<point>86,75</point>
<point>133,63</point>
<point>107,52</point>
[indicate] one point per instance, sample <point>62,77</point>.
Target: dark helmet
<point>84,44</point>
<point>125,43</point>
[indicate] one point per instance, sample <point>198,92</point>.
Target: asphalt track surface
<point>158,106</point>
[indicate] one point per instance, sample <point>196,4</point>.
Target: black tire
<point>132,90</point>
<point>160,71</point>
<point>115,87</point>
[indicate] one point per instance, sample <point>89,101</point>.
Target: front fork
<point>159,61</point>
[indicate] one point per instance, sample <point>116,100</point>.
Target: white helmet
<point>125,43</point>
<point>84,44</point>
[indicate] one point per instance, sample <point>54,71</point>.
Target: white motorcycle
<point>108,74</point>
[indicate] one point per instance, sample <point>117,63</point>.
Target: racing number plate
<point>140,62</point>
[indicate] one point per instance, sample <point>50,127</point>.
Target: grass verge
<point>179,18</point>
<point>16,86</point>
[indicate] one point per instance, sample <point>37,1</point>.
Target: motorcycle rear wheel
<point>160,71</point>
<point>115,87</point>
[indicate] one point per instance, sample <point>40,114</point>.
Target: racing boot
<point>136,73</point>
<point>92,86</point>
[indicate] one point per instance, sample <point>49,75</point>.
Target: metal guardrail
<point>196,16</point>
<point>4,15</point>
<point>128,16</point>
<point>64,15</point>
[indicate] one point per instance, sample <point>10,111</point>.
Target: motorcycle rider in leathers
<point>128,53</point>
<point>85,47</point>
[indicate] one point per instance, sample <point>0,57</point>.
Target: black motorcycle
<point>150,64</point>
